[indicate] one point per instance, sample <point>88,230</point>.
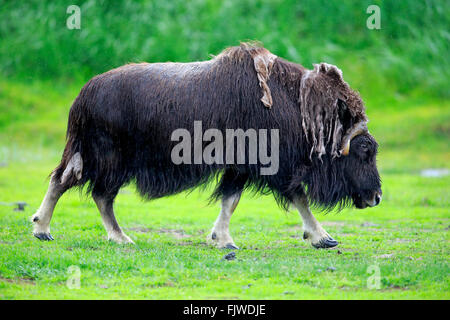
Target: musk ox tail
<point>69,172</point>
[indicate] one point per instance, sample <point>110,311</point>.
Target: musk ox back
<point>127,124</point>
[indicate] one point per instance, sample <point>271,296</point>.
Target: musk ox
<point>121,124</point>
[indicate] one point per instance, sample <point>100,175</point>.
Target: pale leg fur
<point>220,233</point>
<point>41,219</point>
<point>115,233</point>
<point>313,231</point>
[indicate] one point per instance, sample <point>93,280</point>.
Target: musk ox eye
<point>363,152</point>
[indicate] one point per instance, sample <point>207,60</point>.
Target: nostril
<point>377,199</point>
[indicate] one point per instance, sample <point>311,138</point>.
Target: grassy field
<point>406,237</point>
<point>397,250</point>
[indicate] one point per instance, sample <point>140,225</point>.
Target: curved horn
<point>358,128</point>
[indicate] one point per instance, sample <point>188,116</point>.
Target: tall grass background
<point>410,53</point>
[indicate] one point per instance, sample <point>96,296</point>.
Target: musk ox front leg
<point>220,233</point>
<point>313,231</point>
<point>104,204</point>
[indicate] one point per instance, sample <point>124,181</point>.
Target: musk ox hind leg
<point>104,202</point>
<point>229,189</point>
<point>41,219</point>
<point>313,231</point>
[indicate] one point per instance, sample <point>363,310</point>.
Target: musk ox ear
<point>345,117</point>
<point>263,62</point>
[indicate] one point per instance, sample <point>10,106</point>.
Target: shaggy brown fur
<point>122,120</point>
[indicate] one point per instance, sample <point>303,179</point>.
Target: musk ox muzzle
<point>361,203</point>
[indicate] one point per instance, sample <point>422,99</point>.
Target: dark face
<point>361,172</point>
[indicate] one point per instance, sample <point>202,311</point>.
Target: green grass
<point>406,237</point>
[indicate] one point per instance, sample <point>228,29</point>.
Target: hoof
<point>120,238</point>
<point>43,236</point>
<point>325,243</point>
<point>221,241</point>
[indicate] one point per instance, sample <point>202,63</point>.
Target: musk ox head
<point>340,148</point>
<point>360,171</point>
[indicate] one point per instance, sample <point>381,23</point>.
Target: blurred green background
<point>401,70</point>
<point>409,52</point>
